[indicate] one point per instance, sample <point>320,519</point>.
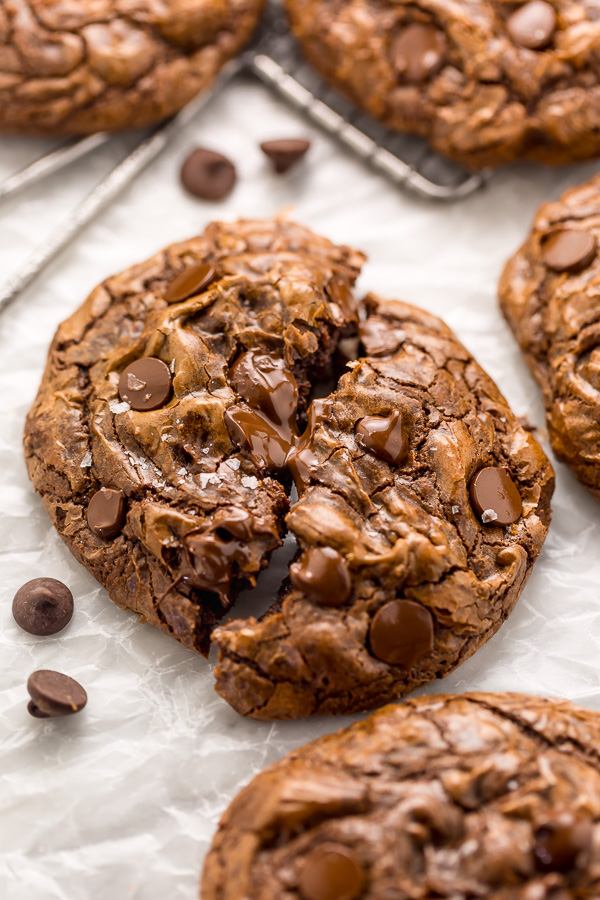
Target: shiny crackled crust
<point>177,465</point>
<point>556,320</point>
<point>491,102</point>
<point>406,531</point>
<point>436,797</point>
<point>81,66</point>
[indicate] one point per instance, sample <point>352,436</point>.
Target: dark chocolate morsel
<point>495,497</point>
<point>190,282</point>
<point>568,250</point>
<point>384,437</point>
<point>532,25</point>
<point>562,840</point>
<point>208,175</point>
<point>418,52</point>
<point>145,384</point>
<point>55,694</point>
<point>322,574</point>
<point>401,633</point>
<point>285,153</point>
<point>43,606</point>
<point>331,872</point>
<point>340,293</point>
<point>106,513</point>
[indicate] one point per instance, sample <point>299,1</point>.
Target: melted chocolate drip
<point>302,460</point>
<point>384,437</point>
<point>212,554</point>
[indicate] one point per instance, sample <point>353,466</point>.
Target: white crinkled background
<point>122,800</point>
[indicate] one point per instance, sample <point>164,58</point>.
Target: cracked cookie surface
<point>475,795</point>
<point>549,296</point>
<point>81,66</point>
<point>486,81</point>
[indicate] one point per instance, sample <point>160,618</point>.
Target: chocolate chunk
<point>495,497</point>
<point>331,872</point>
<point>562,841</point>
<point>532,25</point>
<point>208,175</point>
<point>418,52</point>
<point>323,575</point>
<point>284,153</point>
<point>384,437</point>
<point>54,694</point>
<point>43,606</point>
<point>190,282</point>
<point>401,633</point>
<point>568,250</point>
<point>145,384</point>
<point>340,293</point>
<point>106,513</point>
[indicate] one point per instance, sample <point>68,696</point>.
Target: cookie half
<point>549,293</point>
<point>423,506</point>
<point>486,82</point>
<point>107,65</point>
<point>481,795</point>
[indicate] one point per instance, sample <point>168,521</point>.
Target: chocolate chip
<point>267,384</point>
<point>145,384</point>
<point>401,633</point>
<point>323,576</point>
<point>340,293</point>
<point>331,872</point>
<point>568,250</point>
<point>106,513</point>
<point>495,497</point>
<point>384,437</point>
<point>418,52</point>
<point>284,153</point>
<point>561,841</point>
<point>190,282</point>
<point>208,175</point>
<point>43,606</point>
<point>532,25</point>
<point>54,694</point>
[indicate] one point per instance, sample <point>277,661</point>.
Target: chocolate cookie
<point>105,65</point>
<point>423,506</point>
<point>166,408</point>
<point>549,295</point>
<point>494,796</point>
<point>486,81</point>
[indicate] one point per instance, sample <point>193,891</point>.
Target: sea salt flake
<point>116,407</point>
<point>98,420</point>
<point>205,449</point>
<point>134,383</point>
<point>165,437</point>
<point>250,481</point>
<point>455,510</point>
<point>489,516</point>
<point>86,461</point>
<point>182,471</point>
<point>172,366</point>
<point>214,479</point>
<point>233,464</point>
<point>204,479</point>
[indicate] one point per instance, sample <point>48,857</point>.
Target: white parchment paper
<point>122,800</point>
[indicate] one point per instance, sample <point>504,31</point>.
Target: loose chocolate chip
<point>561,841</point>
<point>384,437</point>
<point>401,633</point>
<point>145,384</point>
<point>418,52</point>
<point>208,175</point>
<point>495,497</point>
<point>190,282</point>
<point>43,606</point>
<point>54,694</point>
<point>331,872</point>
<point>532,25</point>
<point>340,293</point>
<point>284,153</point>
<point>568,250</point>
<point>106,513</point>
<point>323,575</point>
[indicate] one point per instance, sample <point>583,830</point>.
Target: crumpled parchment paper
<point>122,800</point>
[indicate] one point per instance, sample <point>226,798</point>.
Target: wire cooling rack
<point>274,57</point>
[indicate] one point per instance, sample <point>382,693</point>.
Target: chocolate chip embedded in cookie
<point>486,82</point>
<point>548,294</point>
<point>78,68</point>
<point>168,407</point>
<point>494,796</point>
<point>419,486</point>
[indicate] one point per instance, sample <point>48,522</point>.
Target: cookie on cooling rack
<point>479,795</point>
<point>106,65</point>
<point>549,293</point>
<point>486,81</point>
